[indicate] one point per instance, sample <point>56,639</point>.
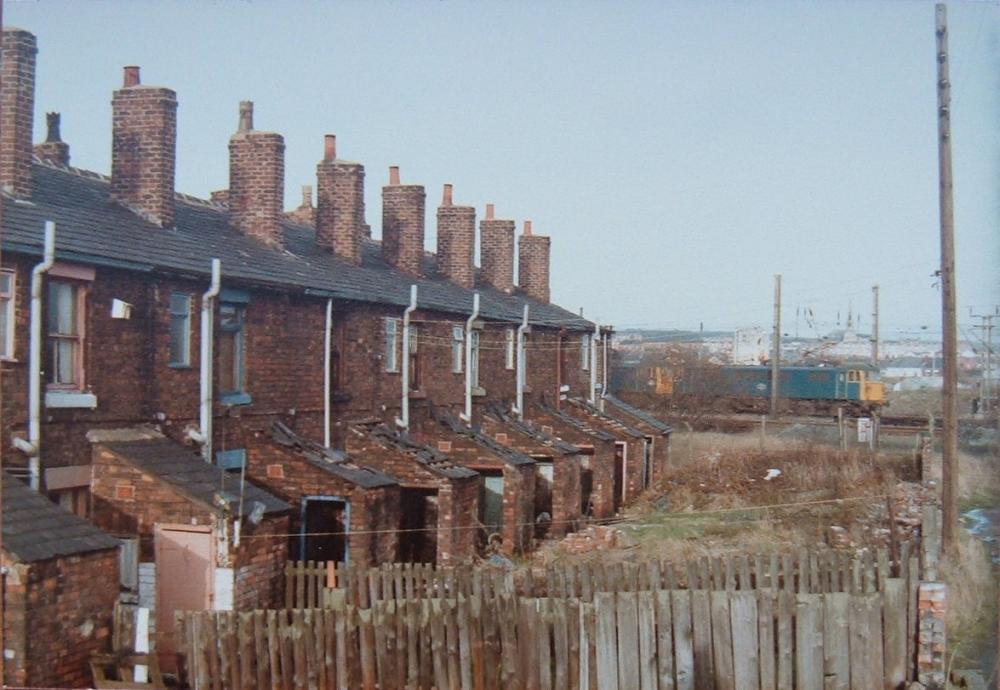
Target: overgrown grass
<point>972,606</point>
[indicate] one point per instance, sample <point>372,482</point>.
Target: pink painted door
<point>183,581</point>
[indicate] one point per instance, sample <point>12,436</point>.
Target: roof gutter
<point>32,447</point>
<point>403,420</point>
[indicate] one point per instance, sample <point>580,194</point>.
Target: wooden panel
<point>701,625</point>
<point>664,642</point>
<point>722,641</point>
<point>607,641</point>
<point>683,640</point>
<point>809,642</point>
<point>743,618</point>
<point>765,639</point>
<point>628,641</point>
<point>836,642</point>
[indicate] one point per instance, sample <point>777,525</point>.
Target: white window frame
<point>474,345</point>
<point>78,338</point>
<point>7,344</point>
<point>510,343</point>
<point>391,353</point>
<point>457,349</point>
<point>585,352</point>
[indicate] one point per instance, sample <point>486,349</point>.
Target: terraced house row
<point>204,389</point>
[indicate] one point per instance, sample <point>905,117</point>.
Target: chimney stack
<point>456,241</point>
<point>496,251</point>
<point>17,111</point>
<point>403,224</point>
<point>53,149</point>
<point>143,148</point>
<point>533,264</point>
<point>256,180</point>
<point>340,203</point>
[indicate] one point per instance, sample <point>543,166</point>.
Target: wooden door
<point>184,567</point>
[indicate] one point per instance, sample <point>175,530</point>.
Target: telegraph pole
<point>875,334</point>
<point>949,400</point>
<point>776,346</point>
<point>986,391</point>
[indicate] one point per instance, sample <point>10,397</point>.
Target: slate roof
<point>640,414</point>
<point>575,422</point>
<point>607,419</point>
<point>430,458</point>
<point>36,529</point>
<point>92,229</point>
<point>191,475</point>
<point>336,462</point>
<point>455,425</point>
<point>533,432</point>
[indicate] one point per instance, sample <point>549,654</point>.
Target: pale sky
<point>678,153</point>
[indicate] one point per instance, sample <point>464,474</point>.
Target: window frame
<point>585,352</point>
<point>185,361</point>
<point>415,382</point>
<point>457,349</point>
<point>474,359</point>
<point>79,337</point>
<point>239,394</point>
<point>390,332</point>
<point>8,343</point>
<point>511,342</point>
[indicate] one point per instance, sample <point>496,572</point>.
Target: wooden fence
<point>806,572</point>
<point>681,639</point>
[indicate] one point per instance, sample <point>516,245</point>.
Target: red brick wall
<point>291,477</point>
<point>533,265</point>
<point>456,244</point>
<point>566,497</point>
<point>260,564</point>
<point>458,514</point>
<point>56,614</point>
<point>17,109</point>
<point>403,226</point>
<point>143,150</point>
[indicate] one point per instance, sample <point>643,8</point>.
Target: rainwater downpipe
<point>521,330</point>
<point>32,447</point>
<point>207,352</point>
<point>403,421</point>
<point>606,338</point>
<point>469,324</point>
<point>592,356</point>
<point>326,373</point>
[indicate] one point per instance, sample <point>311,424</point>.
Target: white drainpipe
<point>32,447</point>
<point>326,373</point>
<point>521,330</point>
<point>204,434</point>
<point>604,368</point>
<point>403,420</point>
<point>467,417</point>
<point>593,363</point>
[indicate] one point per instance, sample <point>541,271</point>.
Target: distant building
<point>750,346</point>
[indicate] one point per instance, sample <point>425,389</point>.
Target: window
<point>232,354</point>
<point>457,338</point>
<point>65,335</point>
<point>511,338</point>
<point>474,368</point>
<point>414,360</point>
<point>180,330</point>
<point>585,352</point>
<point>391,348</point>
<point>6,314</point>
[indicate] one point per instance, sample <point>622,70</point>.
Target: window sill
<point>175,365</point>
<point>478,392</point>
<point>235,399</point>
<point>70,399</point>
<point>417,395</point>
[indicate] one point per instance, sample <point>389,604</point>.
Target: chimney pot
<point>246,116</point>
<point>527,227</point>
<point>53,149</point>
<point>131,77</point>
<point>330,147</point>
<point>52,124</point>
<point>393,174</point>
<point>446,198</point>
<point>490,210</point>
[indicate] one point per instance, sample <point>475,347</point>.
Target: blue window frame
<point>232,354</point>
<point>180,330</point>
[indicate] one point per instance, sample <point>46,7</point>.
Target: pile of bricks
<point>595,538</point>
<point>931,607</point>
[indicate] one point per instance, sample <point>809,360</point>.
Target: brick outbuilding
<point>557,464</point>
<point>439,499</point>
<point>656,430</point>
<point>506,477</point>
<point>60,589</point>
<point>332,497</point>
<point>600,483</point>
<point>206,539</point>
<point>633,453</point>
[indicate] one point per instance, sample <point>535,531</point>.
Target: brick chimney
<point>256,180</point>
<point>53,149</point>
<point>17,110</point>
<point>403,224</point>
<point>340,203</point>
<point>456,241</point>
<point>496,251</point>
<point>306,212</point>
<point>143,148</point>
<point>533,264</point>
